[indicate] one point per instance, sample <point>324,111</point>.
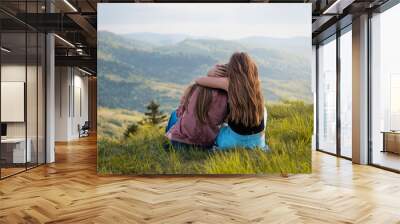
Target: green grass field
<point>113,122</point>
<point>288,134</point>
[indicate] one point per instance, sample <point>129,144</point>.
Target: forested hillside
<point>133,69</point>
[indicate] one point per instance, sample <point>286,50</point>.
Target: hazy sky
<point>224,20</point>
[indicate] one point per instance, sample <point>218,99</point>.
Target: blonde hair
<point>246,103</point>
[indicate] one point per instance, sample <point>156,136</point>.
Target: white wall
<point>80,109</point>
<point>62,82</point>
<point>16,73</point>
<point>12,73</point>
<point>71,94</point>
<point>33,126</point>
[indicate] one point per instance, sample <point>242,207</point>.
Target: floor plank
<point>69,191</point>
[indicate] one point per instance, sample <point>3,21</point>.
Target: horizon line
<point>205,36</point>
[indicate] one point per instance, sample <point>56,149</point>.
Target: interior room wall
<point>80,109</point>
<point>62,81</point>
<point>81,82</point>
<point>18,73</point>
<point>71,87</point>
<point>14,73</point>
<point>41,114</point>
<point>32,111</point>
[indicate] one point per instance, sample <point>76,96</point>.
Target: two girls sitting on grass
<point>225,109</point>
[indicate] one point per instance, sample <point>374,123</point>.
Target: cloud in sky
<point>217,20</point>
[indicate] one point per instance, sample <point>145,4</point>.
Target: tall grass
<point>288,133</point>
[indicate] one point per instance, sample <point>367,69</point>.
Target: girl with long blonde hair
<point>247,116</point>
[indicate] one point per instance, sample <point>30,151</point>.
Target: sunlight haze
<point>223,21</point>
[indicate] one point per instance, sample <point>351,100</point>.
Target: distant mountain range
<point>297,45</point>
<point>157,38</point>
<point>136,68</point>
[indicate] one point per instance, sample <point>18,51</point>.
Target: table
<point>391,141</point>
<point>13,150</point>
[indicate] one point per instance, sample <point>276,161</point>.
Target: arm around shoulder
<point>213,82</point>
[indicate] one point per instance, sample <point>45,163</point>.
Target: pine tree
<point>131,130</point>
<point>153,115</point>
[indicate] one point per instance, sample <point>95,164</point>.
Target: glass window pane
<point>22,86</point>
<point>346,94</point>
<point>31,97</point>
<point>41,98</point>
<point>327,97</point>
<point>385,84</point>
<point>31,87</point>
<point>14,153</point>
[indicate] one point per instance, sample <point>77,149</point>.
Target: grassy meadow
<point>113,122</point>
<point>288,135</point>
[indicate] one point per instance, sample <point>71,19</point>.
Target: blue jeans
<point>228,139</point>
<point>172,121</point>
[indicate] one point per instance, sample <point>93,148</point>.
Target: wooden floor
<point>5,172</point>
<point>69,191</point>
<point>387,159</point>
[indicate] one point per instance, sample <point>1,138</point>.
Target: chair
<point>84,130</point>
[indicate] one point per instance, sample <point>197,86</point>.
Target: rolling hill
<point>136,68</point>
